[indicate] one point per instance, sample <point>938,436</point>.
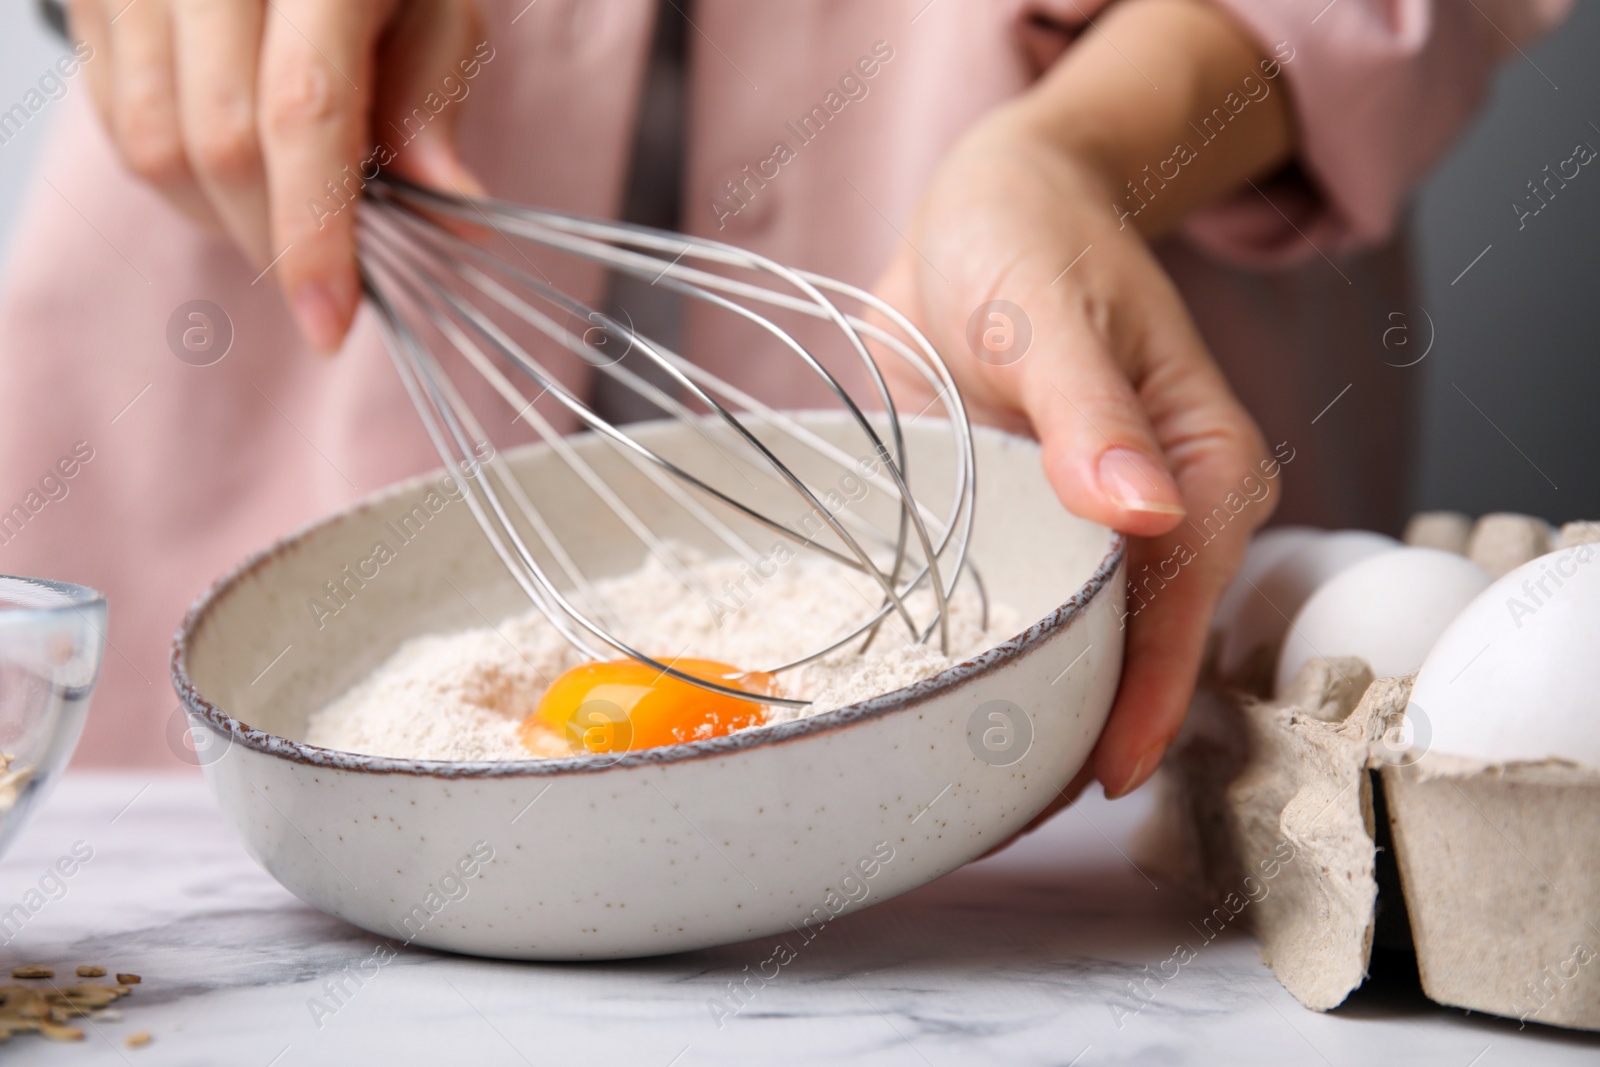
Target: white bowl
<point>664,849</point>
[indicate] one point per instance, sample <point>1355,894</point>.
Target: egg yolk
<point>624,705</point>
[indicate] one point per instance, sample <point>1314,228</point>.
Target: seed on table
<point>127,979</point>
<point>33,970</point>
<point>91,970</point>
<point>95,996</point>
<point>138,1039</point>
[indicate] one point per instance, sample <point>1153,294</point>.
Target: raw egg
<point>622,705</point>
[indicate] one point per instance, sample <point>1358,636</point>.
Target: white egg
<point>1388,609</point>
<point>1273,599</point>
<point>1266,549</point>
<point>1517,675</point>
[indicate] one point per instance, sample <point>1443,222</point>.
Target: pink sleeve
<point>1380,89</point>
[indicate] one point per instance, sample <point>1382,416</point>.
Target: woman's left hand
<point>1137,425</point>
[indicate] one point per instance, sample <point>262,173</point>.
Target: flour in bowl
<point>461,696</point>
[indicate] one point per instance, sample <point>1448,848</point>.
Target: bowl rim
<point>902,699</point>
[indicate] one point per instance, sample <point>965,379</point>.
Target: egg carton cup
<point>1323,822</point>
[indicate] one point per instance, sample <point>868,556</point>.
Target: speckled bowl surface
<point>661,850</point>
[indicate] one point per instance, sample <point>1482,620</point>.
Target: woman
<point>1186,203</point>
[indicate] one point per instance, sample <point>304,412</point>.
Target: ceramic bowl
<point>776,828</point>
<point>52,636</point>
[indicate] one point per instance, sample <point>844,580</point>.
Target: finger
<point>90,26</point>
<point>144,105</point>
<point>1099,450</point>
<point>1176,579</point>
<point>1165,642</point>
<point>430,59</point>
<point>314,98</point>
<point>217,43</point>
<point>1160,663</point>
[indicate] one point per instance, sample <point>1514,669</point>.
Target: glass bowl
<point>52,635</point>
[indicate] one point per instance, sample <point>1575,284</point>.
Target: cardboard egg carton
<point>1319,819</point>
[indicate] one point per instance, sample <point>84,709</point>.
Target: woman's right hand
<point>248,115</point>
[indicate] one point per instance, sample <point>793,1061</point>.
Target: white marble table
<point>1021,959</point>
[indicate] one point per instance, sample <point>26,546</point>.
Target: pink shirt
<point>178,471</point>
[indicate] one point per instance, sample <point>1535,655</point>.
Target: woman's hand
<point>1137,425</point>
<point>246,115</point>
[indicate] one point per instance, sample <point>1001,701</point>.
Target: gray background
<point>1520,333</point>
<point>1518,336</point>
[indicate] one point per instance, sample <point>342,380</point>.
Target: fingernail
<point>319,317</point>
<point>1139,483</point>
<point>1150,758</point>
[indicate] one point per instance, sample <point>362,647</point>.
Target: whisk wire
<point>523,361</point>
<point>419,274</point>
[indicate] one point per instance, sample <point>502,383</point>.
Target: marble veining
<point>1024,958</point>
